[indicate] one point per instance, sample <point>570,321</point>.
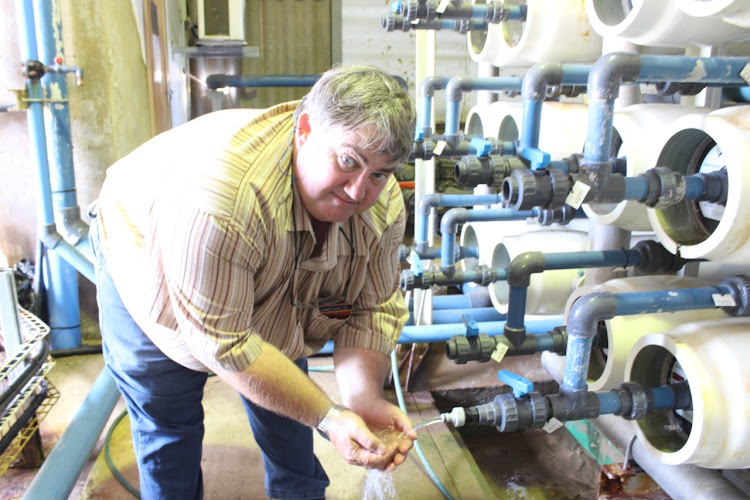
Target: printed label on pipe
<point>499,352</point>
<point>745,73</point>
<point>648,88</point>
<point>439,147</point>
<point>723,300</point>
<point>552,425</point>
<point>443,5</point>
<point>577,194</point>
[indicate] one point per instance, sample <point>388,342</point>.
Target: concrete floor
<point>232,464</point>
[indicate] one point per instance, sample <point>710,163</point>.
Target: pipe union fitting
<point>740,290</point>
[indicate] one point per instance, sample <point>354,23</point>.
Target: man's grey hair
<point>357,97</point>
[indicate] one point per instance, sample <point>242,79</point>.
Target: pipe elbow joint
<point>608,73</point>
<point>49,236</point>
<point>457,86</point>
<point>451,219</point>
<point>523,266</point>
<point>427,201</point>
<point>537,79</point>
<point>587,311</point>
<point>430,84</point>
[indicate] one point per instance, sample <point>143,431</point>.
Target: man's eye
<point>348,161</point>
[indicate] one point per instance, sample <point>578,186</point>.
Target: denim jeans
<point>163,400</point>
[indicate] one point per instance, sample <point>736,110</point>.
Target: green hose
<point>402,405</point>
<point>111,464</point>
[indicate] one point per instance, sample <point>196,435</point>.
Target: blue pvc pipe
<point>589,309</point>
<point>442,333</point>
<point>77,258</point>
<point>599,135</point>
<point>459,301</point>
<point>60,471</point>
<point>592,258</point>
<point>568,260</point>
<point>447,316</point>
<point>667,301</point>
<point>453,104</point>
<point>609,402</point>
<point>531,125</point>
<point>427,88</point>
<point>452,117</point>
<point>35,114</point>
<point>516,306</point>
<point>219,81</point>
<point>49,41</point>
<point>715,70</point>
<point>429,201</point>
<point>636,188</point>
<point>60,278</point>
<point>710,70</point>
<point>447,256</point>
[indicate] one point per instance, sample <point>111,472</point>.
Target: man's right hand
<point>357,445</point>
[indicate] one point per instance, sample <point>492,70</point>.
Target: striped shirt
<point>197,230</point>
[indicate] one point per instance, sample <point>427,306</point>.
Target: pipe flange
<point>33,70</point>
<point>508,411</point>
<point>407,280</point>
<point>486,274</point>
<point>519,190</point>
<point>639,398</point>
<point>655,258</point>
<point>539,410</point>
<point>416,9</point>
<point>739,287</point>
<point>561,186</point>
<point>472,171</point>
<point>672,187</point>
<point>486,346</point>
<point>458,349</point>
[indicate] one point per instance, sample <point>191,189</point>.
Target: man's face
<point>336,177</point>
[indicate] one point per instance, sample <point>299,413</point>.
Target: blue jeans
<point>163,399</point>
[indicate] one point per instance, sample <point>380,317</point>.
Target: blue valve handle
<point>472,327</point>
<point>520,385</point>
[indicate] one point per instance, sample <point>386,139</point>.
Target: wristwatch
<point>325,425</point>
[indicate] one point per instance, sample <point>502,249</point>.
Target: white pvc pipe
<point>712,356</point>
<point>500,120</point>
<point>659,23</point>
<point>736,12</point>
<point>556,31</point>
<point>643,130</point>
<point>687,230</point>
<point>607,367</point>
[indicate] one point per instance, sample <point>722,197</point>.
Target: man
<point>239,243</point>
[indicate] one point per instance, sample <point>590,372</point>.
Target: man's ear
<point>303,128</point>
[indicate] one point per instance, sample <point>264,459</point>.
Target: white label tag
<point>577,194</point>
<point>648,88</point>
<point>443,5</point>
<point>713,211</point>
<point>745,73</point>
<point>499,352</point>
<point>723,300</point>
<point>439,147</point>
<point>552,425</point>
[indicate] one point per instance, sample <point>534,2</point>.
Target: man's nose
<point>356,187</point>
